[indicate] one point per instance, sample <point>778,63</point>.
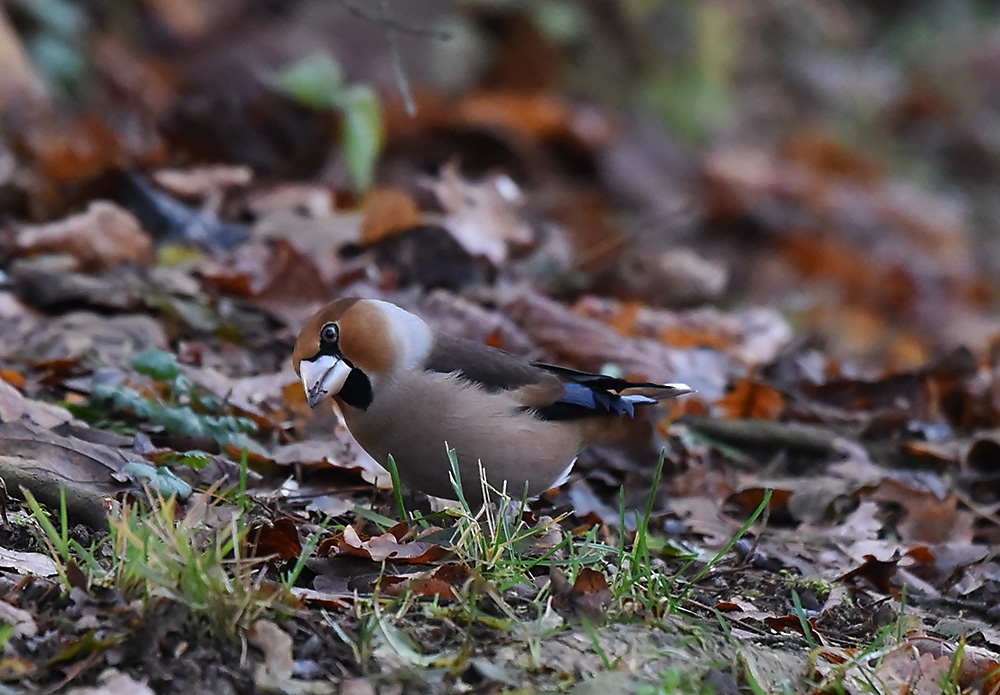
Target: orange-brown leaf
<point>749,399</point>
<point>386,212</point>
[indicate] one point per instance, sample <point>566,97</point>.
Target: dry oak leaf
<point>102,237</point>
<point>482,216</point>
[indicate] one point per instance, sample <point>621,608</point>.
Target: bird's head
<point>350,346</point>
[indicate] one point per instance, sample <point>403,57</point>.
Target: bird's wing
<point>551,392</point>
<point>489,368</point>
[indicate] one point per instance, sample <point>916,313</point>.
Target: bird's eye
<point>329,334</point>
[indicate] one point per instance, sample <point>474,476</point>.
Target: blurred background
<point>834,161</point>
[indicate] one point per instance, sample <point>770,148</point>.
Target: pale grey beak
<point>323,377</point>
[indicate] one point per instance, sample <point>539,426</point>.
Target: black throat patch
<point>357,390</point>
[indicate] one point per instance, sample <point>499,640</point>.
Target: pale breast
<point>413,415</point>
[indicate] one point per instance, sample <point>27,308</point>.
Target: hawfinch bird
<point>404,390</point>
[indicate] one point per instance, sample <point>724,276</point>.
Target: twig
<point>390,23</point>
<point>397,62</point>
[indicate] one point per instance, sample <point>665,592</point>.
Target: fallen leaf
<point>482,216</point>
<point>387,547</point>
<point>52,466</point>
<point>588,343</point>
<point>537,115</point>
<point>23,621</point>
<point>33,564</point>
<point>82,336</point>
<point>19,80</point>
<point>113,682</point>
<point>207,182</point>
<point>385,212</point>
<point>14,406</point>
<point>587,598</point>
<point>750,399</point>
<point>280,537</point>
<point>445,582</point>
<point>279,278</point>
<point>277,647</point>
<point>103,236</point>
<point>878,572</point>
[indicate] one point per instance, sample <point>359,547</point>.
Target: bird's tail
<point>651,393</point>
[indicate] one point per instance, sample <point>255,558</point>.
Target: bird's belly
<point>516,449</point>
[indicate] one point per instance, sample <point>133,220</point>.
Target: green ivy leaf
<point>316,81</point>
<point>191,459</point>
<point>161,480</point>
<point>159,364</point>
<point>363,134</point>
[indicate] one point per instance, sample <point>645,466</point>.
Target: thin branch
<point>393,24</point>
<point>402,83</point>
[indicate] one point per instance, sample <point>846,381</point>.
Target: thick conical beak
<point>323,377</point>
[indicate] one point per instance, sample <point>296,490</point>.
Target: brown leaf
<point>929,517</point>
<point>588,597</point>
<point>750,498</point>
<point>537,115</point>
<point>590,581</point>
<point>277,647</point>
<point>444,582</point>
<point>280,537</point>
<point>750,399</point>
<point>325,599</point>
<point>71,150</point>
<point>878,572</point>
<point>385,212</point>
<point>824,154</point>
<point>103,236</point>
<point>20,82</point>
<point>62,343</point>
<point>978,668</point>
<point>789,622</point>
<point>387,547</point>
<point>282,280</point>
<point>588,343</point>
<point>113,682</point>
<point>14,378</point>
